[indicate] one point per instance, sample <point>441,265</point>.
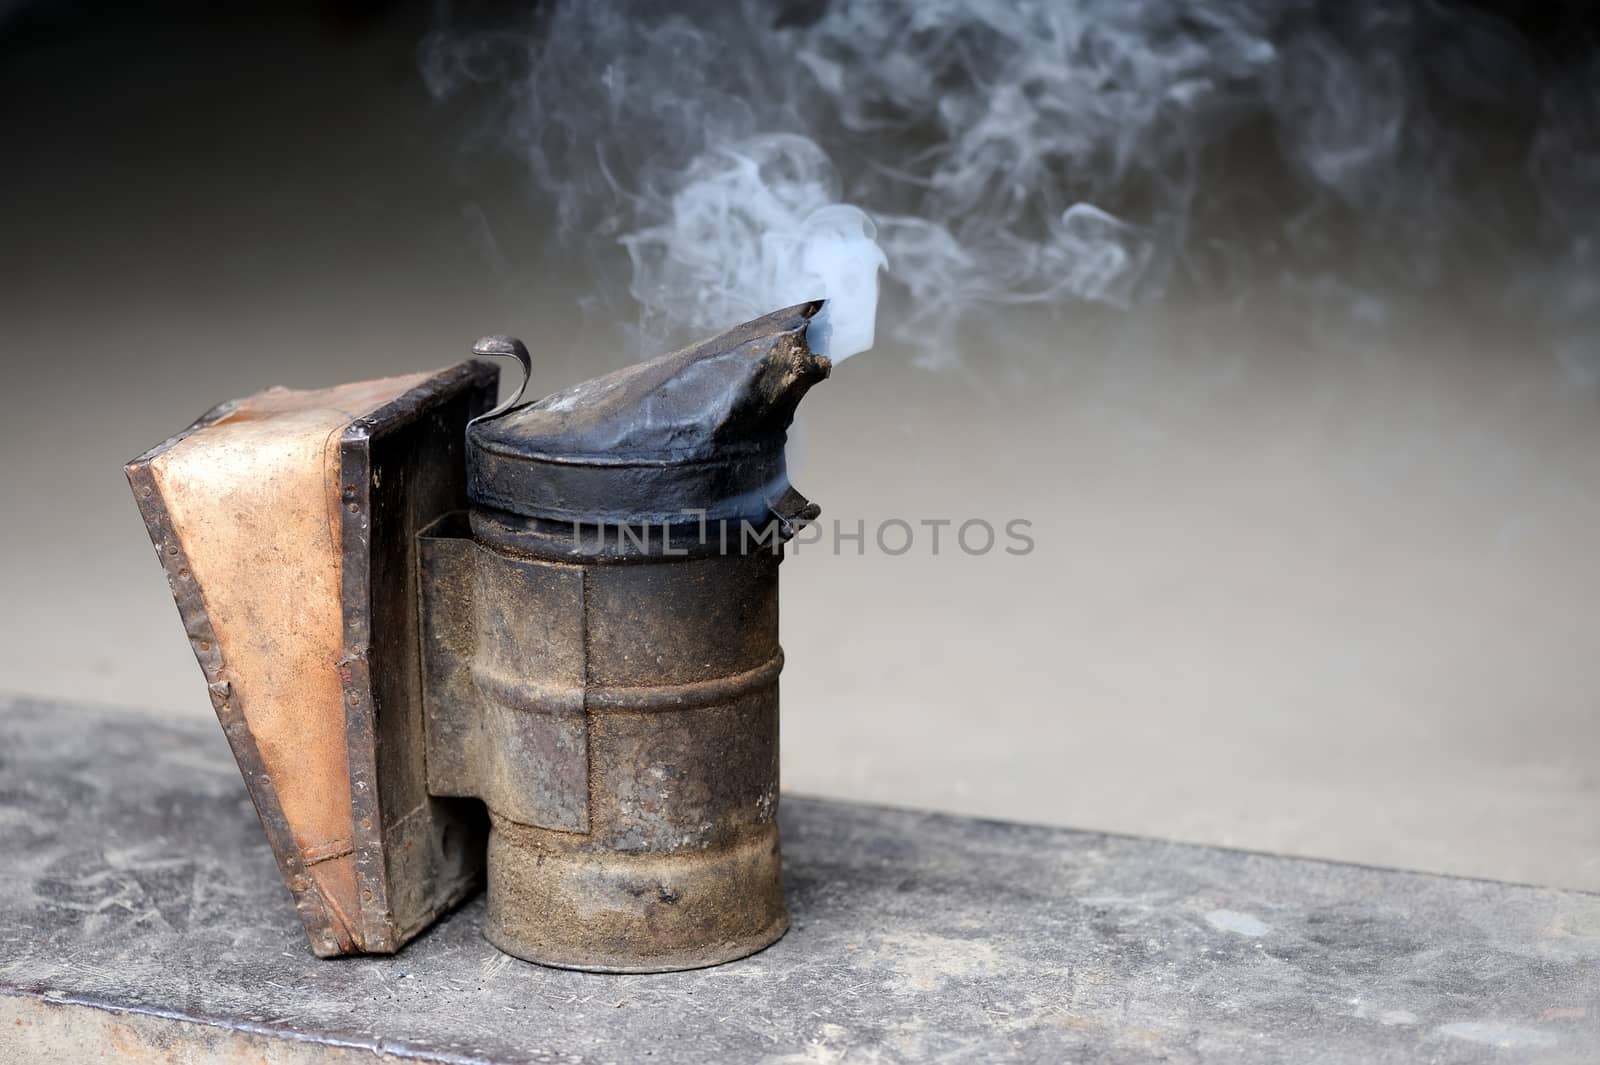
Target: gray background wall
<point>1317,588</point>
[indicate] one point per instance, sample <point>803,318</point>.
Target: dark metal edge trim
<point>378,934</point>
<point>320,922</point>
<point>761,446</point>
<point>355,606</point>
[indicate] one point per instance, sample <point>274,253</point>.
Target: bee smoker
<point>535,645</point>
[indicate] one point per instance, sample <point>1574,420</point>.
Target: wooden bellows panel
<point>287,524</point>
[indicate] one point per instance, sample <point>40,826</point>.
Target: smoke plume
<point>756,225</point>
<point>1060,152</point>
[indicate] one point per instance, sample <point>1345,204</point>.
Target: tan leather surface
<point>255,500</point>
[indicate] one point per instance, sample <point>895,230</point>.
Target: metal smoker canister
<point>623,655</point>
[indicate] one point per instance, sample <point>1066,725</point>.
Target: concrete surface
<point>141,911</point>
<point>1311,587</point>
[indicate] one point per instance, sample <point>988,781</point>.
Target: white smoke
<point>1057,152</point>
<point>755,226</point>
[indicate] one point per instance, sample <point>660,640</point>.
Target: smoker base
<point>677,963</point>
<point>612,912</point>
<point>142,917</point>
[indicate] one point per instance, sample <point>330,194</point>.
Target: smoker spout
<point>699,430</point>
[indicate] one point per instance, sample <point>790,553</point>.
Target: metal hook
<point>785,526</point>
<point>505,348</point>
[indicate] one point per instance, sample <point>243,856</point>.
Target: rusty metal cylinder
<point>601,659</point>
<point>667,671</point>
